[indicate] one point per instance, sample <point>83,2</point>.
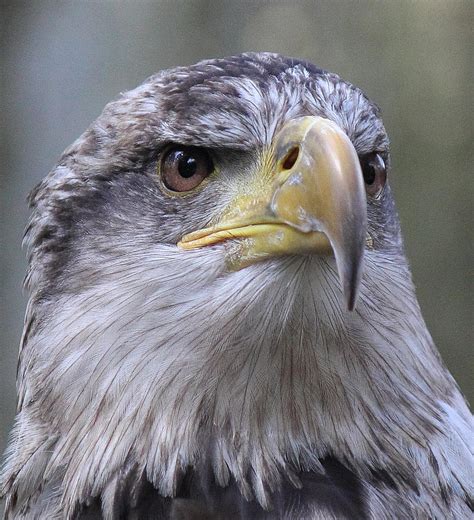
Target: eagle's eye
<point>183,168</point>
<point>375,173</point>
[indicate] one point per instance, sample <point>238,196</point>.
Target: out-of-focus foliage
<point>63,60</point>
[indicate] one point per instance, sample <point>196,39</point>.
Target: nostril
<point>291,158</point>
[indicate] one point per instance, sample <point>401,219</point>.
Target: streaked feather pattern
<point>155,383</point>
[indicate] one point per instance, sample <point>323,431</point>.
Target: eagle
<point>222,322</point>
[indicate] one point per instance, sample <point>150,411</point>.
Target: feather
<point>158,383</point>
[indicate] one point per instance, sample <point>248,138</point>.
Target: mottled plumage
<point>156,382</point>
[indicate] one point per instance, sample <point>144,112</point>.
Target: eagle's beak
<point>312,201</point>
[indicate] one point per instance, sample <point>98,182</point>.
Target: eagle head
<point>222,318</point>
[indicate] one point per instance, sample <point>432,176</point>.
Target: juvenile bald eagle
<point>222,322</point>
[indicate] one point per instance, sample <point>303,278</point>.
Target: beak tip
<point>351,299</point>
<point>350,273</point>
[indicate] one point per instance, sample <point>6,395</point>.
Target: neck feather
<point>264,367</point>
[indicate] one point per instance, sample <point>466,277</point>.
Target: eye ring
<point>183,168</point>
<point>374,171</point>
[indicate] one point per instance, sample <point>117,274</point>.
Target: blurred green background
<point>63,60</point>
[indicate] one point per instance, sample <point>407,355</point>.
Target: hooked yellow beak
<point>313,201</point>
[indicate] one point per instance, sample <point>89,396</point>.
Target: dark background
<point>63,60</point>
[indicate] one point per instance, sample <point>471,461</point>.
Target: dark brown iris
<point>183,168</point>
<point>375,173</point>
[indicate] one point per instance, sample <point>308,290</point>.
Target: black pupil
<point>187,165</point>
<point>369,172</point>
<point>371,165</point>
